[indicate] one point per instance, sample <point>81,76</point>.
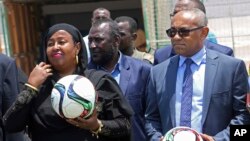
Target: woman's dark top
<point>35,110</point>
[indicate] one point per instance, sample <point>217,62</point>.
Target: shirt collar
<point>117,65</point>
<point>198,58</point>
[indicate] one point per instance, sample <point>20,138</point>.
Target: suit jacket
<point>166,52</point>
<point>9,88</point>
<point>133,82</point>
<point>224,97</point>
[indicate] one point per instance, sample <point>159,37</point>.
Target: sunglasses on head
<point>182,32</point>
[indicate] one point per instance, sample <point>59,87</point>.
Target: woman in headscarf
<point>65,54</point>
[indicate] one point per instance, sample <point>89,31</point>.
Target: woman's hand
<point>90,124</point>
<point>39,74</point>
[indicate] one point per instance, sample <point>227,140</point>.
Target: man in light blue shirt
<point>216,85</point>
<point>198,69</point>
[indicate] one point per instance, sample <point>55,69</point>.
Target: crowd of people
<point>192,82</point>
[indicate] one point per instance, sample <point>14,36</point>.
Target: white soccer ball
<point>73,96</point>
<point>182,133</point>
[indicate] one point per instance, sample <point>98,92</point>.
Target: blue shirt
<point>198,70</point>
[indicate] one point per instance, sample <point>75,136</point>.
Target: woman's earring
<point>76,59</point>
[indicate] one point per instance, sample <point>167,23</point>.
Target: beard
<point>103,58</point>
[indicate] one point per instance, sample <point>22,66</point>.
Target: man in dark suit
<point>130,73</point>
<point>166,52</point>
<point>217,85</point>
<point>11,80</point>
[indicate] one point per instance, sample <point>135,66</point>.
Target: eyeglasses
<point>171,32</point>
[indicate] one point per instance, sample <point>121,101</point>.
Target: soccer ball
<point>73,96</point>
<point>182,133</point>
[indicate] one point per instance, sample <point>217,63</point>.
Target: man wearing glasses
<point>199,88</point>
<point>164,53</point>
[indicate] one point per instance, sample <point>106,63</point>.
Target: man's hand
<point>206,137</point>
<point>161,139</point>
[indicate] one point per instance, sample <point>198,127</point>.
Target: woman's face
<point>62,51</point>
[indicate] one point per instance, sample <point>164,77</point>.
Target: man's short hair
<point>114,29</point>
<point>132,23</point>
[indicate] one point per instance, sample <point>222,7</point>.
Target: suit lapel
<point>125,74</point>
<point>210,72</point>
<point>171,76</point>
